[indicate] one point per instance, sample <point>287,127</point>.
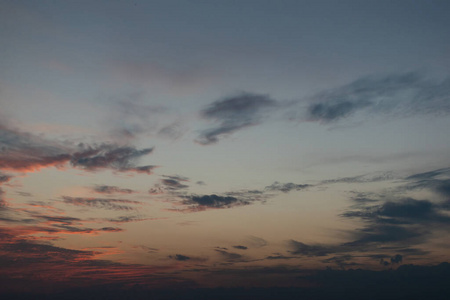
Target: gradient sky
<point>221,143</point>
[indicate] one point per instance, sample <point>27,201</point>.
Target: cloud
<point>25,152</point>
<point>256,242</point>
<point>402,93</point>
<point>234,113</point>
<point>102,203</point>
<point>437,181</point>
<point>310,250</point>
<point>230,256</point>
<point>366,178</point>
<point>403,211</point>
<point>126,219</point>
<point>4,178</point>
<point>240,247</point>
<point>173,184</point>
<point>109,189</point>
<point>213,201</point>
<point>110,156</point>
<point>286,187</point>
<point>180,257</point>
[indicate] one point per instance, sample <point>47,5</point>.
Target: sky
<point>221,144</point>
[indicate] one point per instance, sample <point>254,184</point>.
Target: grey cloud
<point>327,112</point>
<point>286,187</point>
<point>401,94</point>
<point>310,250</point>
<point>279,256</point>
<point>240,247</point>
<point>403,211</point>
<point>429,175</point>
<point>229,256</point>
<point>366,178</point>
<point>437,181</point>
<point>407,93</point>
<point>255,241</point>
<point>342,261</point>
<point>173,184</point>
<point>108,189</point>
<point>22,151</point>
<point>109,156</point>
<point>126,219</point>
<point>110,204</point>
<point>233,114</point>
<point>4,178</point>
<point>179,257</point>
<point>214,201</point>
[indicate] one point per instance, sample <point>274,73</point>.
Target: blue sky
<point>199,139</point>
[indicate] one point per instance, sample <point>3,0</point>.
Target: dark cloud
<point>180,257</point>
<point>59,219</point>
<point>233,114</point>
<point>108,189</point>
<point>286,187</point>
<point>403,211</point>
<point>403,94</point>
<point>256,242</point>
<point>279,256</point>
<point>173,184</point>
<point>27,153</point>
<point>126,219</point>
<point>4,178</point>
<point>230,256</point>
<point>366,178</point>
<point>110,204</point>
<point>109,156</point>
<point>2,201</point>
<point>22,151</point>
<point>396,259</point>
<point>342,261</point>
<point>213,201</point>
<point>311,250</point>
<point>240,247</point>
<point>437,181</point>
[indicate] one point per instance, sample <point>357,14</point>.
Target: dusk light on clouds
<point>248,149</point>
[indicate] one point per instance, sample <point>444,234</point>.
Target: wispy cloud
<point>109,156</point>
<point>234,113</point>
<point>25,152</point>
<point>102,203</point>
<point>109,189</point>
<point>213,201</point>
<point>286,187</point>
<point>402,94</point>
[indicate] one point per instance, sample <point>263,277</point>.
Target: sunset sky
<point>210,144</point>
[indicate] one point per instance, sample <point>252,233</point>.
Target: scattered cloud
<point>310,250</point>
<point>233,114</point>
<point>110,156</point>
<point>401,94</point>
<point>25,152</point>
<point>109,189</point>
<point>286,187</point>
<point>213,201</point>
<point>102,203</point>
<point>173,184</point>
<point>255,242</point>
<point>230,256</point>
<point>240,247</point>
<point>179,257</point>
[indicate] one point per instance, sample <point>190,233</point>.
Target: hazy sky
<point>195,143</point>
